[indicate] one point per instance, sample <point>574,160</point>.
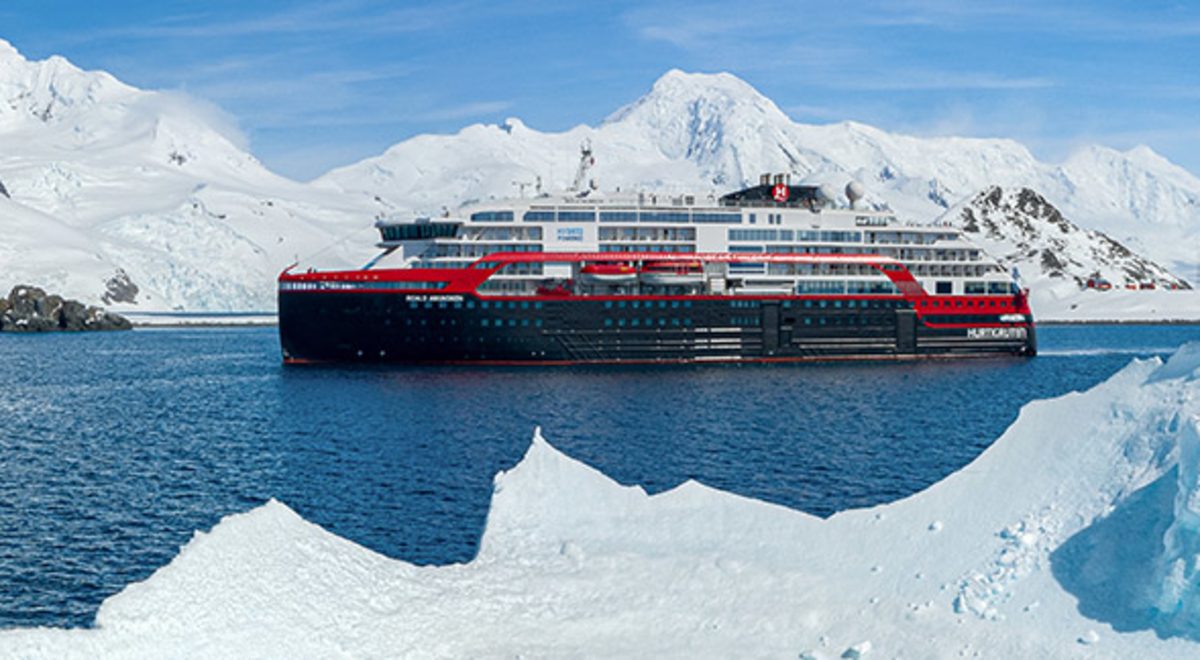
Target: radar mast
<point>582,185</point>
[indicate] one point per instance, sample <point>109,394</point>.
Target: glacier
<point>1074,535</point>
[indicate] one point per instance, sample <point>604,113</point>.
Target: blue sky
<point>317,84</point>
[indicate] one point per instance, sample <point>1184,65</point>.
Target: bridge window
<point>418,231</point>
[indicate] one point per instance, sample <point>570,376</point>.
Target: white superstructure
<point>770,218</point>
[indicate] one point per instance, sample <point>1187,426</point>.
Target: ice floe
<point>1075,535</point>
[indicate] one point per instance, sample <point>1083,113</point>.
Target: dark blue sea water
<point>115,447</point>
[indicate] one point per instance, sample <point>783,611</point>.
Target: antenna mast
<point>586,161</point>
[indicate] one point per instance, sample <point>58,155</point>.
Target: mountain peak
<point>1152,160</point>
<point>1141,155</point>
<point>9,52</point>
<point>49,90</point>
<point>677,82</point>
<point>707,118</point>
<point>678,93</point>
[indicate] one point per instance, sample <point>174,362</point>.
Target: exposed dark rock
<point>969,223</point>
<point>30,309</point>
<point>120,289</point>
<point>1052,264</point>
<point>1028,230</point>
<point>4,191</point>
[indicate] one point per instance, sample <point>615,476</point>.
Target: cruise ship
<point>772,272</point>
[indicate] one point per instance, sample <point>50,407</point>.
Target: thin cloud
<point>148,107</point>
<point>942,81</point>
<point>690,31</point>
<point>319,18</point>
<point>465,111</point>
<point>1112,23</point>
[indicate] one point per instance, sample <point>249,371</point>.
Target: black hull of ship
<point>386,327</point>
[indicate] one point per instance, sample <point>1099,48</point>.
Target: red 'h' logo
<point>780,192</point>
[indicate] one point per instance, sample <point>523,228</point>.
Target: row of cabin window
<point>849,304</point>
<point>842,320</point>
<point>821,287</point>
<point>772,219</point>
<point>993,288</point>
<point>674,322</point>
<point>802,249</point>
<point>802,235</point>
<point>328,285</point>
<point>647,234</point>
<point>512,323</point>
<point>642,247</point>
<point>514,268</point>
<point>961,303</point>
<point>908,238</point>
<point>753,304</point>
<point>925,271</point>
<point>883,288</point>
<point>647,304</point>
<point>501,234</point>
<point>426,322</point>
<point>477,250</point>
<point>678,217</point>
<point>507,287</point>
<point>483,304</point>
<point>672,304</point>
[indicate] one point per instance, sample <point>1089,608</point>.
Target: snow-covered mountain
<point>715,132</point>
<point>104,183</point>
<point>1023,230</point>
<point>105,186</point>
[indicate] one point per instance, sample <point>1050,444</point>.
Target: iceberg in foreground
<point>1077,534</point>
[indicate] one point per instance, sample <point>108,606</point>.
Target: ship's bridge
<point>393,234</point>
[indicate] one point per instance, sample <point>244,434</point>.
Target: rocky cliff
<point>30,309</point>
<point>1022,229</point>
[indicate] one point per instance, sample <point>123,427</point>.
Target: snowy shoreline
<point>201,320</point>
